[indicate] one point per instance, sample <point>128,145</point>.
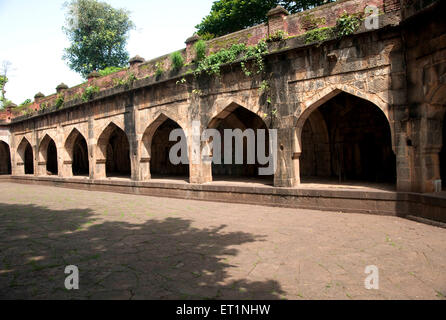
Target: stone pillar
<point>277,20</point>
<point>144,167</point>
<point>35,146</point>
<point>41,162</point>
<point>190,51</point>
<point>14,156</point>
<point>60,146</point>
<point>92,146</point>
<point>404,151</point>
<point>287,170</point>
<point>428,143</point>
<point>199,170</point>
<point>130,130</point>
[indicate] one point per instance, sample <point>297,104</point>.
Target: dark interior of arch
<point>241,118</point>
<point>348,139</point>
<point>443,156</point>
<point>5,159</point>
<point>159,163</point>
<point>118,154</point>
<point>29,159</point>
<point>80,157</point>
<point>51,158</point>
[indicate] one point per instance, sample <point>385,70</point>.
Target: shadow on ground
<point>155,259</point>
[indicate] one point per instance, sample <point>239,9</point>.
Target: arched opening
<point>161,166</point>
<point>80,157</point>
<point>443,156</point>
<point>29,160</point>
<point>114,146</point>
<point>48,156</point>
<point>5,159</point>
<point>77,149</point>
<point>249,124</point>
<point>51,162</point>
<point>26,155</point>
<point>347,140</point>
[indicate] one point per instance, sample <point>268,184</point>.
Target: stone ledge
<point>370,202</point>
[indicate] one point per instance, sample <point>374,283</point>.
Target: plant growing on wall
<point>310,22</point>
<point>212,63</point>
<point>318,35</point>
<point>279,35</point>
<point>88,93</point>
<point>109,70</point>
<point>177,60</point>
<point>25,103</point>
<point>200,50</point>
<point>59,101</point>
<point>159,69</point>
<point>347,24</point>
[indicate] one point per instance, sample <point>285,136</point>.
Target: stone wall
<point>385,70</point>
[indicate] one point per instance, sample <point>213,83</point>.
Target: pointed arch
<point>155,147</point>
<point>223,106</point>
<point>48,156</point>
<point>5,158</point>
<point>26,157</point>
<point>77,158</point>
<point>235,116</point>
<point>344,136</point>
<point>113,152</point>
<point>327,94</point>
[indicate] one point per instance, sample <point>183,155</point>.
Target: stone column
<point>199,170</point>
<point>130,130</point>
<point>94,168</point>
<point>428,143</point>
<point>287,170</point>
<point>404,150</point>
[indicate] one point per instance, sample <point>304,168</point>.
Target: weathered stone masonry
<point>369,106</point>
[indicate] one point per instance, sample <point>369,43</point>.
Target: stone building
<point>367,107</point>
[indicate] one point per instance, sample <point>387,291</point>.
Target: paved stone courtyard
<point>136,247</point>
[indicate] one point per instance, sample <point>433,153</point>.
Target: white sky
<point>31,38</point>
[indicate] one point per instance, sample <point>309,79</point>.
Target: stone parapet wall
<point>293,25</point>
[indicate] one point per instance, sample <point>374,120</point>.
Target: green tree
<point>228,16</point>
<point>3,81</point>
<point>98,34</point>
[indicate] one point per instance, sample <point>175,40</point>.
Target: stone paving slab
<point>137,247</point>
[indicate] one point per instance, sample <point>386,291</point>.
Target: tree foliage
<point>98,34</point>
<point>228,16</point>
<point>3,81</point>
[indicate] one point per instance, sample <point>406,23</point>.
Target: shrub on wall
<point>347,24</point>
<point>318,35</point>
<point>159,69</point>
<point>88,93</point>
<point>109,70</point>
<point>200,50</point>
<point>177,60</point>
